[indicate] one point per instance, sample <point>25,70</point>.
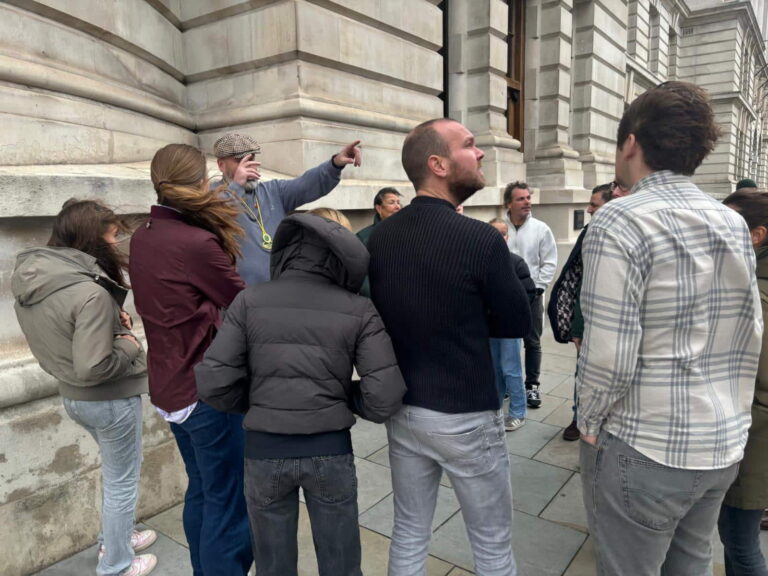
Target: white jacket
<point>535,243</point>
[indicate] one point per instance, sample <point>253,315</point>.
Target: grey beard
<point>250,185</point>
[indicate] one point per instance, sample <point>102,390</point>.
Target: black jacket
<point>524,275</point>
<point>285,352</point>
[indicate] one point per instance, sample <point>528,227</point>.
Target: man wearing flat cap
<point>264,204</point>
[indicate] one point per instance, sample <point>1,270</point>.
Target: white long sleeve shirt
<point>672,325</point>
<point>534,243</point>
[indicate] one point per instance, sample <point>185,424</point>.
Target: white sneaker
<point>141,565</point>
<point>512,424</point>
<point>140,540</point>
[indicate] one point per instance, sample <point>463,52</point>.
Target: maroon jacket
<point>180,277</point>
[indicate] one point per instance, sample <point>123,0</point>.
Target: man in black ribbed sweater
<point>444,284</point>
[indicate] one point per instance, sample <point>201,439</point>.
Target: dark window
<point>516,69</point>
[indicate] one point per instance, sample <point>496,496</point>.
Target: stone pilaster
<point>477,57</point>
<point>599,70</point>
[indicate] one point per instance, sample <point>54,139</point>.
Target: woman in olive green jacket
<point>742,509</point>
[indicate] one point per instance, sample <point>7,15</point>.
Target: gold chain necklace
<point>266,239</point>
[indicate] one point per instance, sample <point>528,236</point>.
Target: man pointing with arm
<point>264,204</point>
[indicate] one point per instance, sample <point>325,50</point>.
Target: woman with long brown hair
<point>182,268</point>
<point>69,298</point>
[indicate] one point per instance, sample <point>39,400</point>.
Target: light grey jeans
<point>116,427</point>
<point>472,450</point>
<point>648,519</point>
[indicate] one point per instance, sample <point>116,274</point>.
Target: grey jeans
<point>116,427</point>
<point>648,519</point>
<point>471,448</point>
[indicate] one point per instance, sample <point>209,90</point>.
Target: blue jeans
<point>116,427</point>
<point>471,448</point>
<point>215,517</point>
<point>740,535</point>
<point>509,374</point>
<point>330,490</point>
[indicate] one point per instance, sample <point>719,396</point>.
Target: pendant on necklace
<point>266,241</point>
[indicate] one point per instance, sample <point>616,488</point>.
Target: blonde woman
<point>183,272</point>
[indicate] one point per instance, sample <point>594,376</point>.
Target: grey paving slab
<point>561,453</point>
<point>534,484</point>
<point>583,564</point>
<point>548,405</point>
<point>170,524</point>
<point>542,548</point>
<point>380,457</point>
<point>374,483</point>
<point>531,438</point>
<point>562,416</point>
<point>380,517</point>
<point>459,572</point>
<point>172,560</point>
<point>368,437</point>
<point>567,507</point>
<point>564,389</point>
<point>548,381</point>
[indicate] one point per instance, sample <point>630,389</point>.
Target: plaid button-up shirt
<point>673,325</point>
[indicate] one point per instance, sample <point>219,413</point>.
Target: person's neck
<point>437,192</point>
<point>517,220</point>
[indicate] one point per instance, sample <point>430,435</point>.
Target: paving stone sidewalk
<point>550,532</point>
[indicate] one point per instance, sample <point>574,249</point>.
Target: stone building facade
<point>90,89</point>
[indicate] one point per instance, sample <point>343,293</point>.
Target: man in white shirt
<point>672,337</point>
<point>532,240</point>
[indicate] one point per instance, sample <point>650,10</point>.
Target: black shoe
<point>534,397</point>
<point>571,433</point>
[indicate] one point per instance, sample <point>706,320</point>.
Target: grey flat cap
<point>235,145</point>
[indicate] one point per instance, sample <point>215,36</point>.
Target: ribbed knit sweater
<point>443,284</point>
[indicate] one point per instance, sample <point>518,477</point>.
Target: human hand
<point>350,154</point>
<point>592,440</point>
<point>248,169</point>
<point>577,343</point>
<point>125,320</point>
<point>130,337</point>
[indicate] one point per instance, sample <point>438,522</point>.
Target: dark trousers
<point>740,534</point>
<point>533,344</point>
<point>330,491</point>
<point>215,516</point>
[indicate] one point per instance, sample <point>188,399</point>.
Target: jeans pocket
<point>468,452</point>
<point>655,495</point>
<point>99,414</point>
<point>336,477</point>
<point>262,481</point>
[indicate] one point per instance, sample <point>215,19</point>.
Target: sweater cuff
<point>339,168</point>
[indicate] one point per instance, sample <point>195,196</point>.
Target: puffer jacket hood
<point>40,272</point>
<point>313,244</point>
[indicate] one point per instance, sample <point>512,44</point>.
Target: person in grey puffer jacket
<point>284,356</point>
<point>69,298</point>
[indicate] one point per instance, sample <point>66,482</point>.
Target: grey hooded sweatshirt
<point>70,323</point>
<point>285,352</point>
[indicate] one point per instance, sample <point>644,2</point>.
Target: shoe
<point>534,397</point>
<point>141,565</point>
<point>140,540</point>
<point>512,424</point>
<point>571,433</point>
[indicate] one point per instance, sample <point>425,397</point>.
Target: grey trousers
<point>648,519</point>
<point>471,448</point>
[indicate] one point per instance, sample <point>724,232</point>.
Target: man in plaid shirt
<point>669,357</point>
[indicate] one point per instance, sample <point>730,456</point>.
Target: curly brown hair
<point>180,178</point>
<point>674,125</point>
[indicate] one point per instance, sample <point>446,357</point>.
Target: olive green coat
<point>750,490</point>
